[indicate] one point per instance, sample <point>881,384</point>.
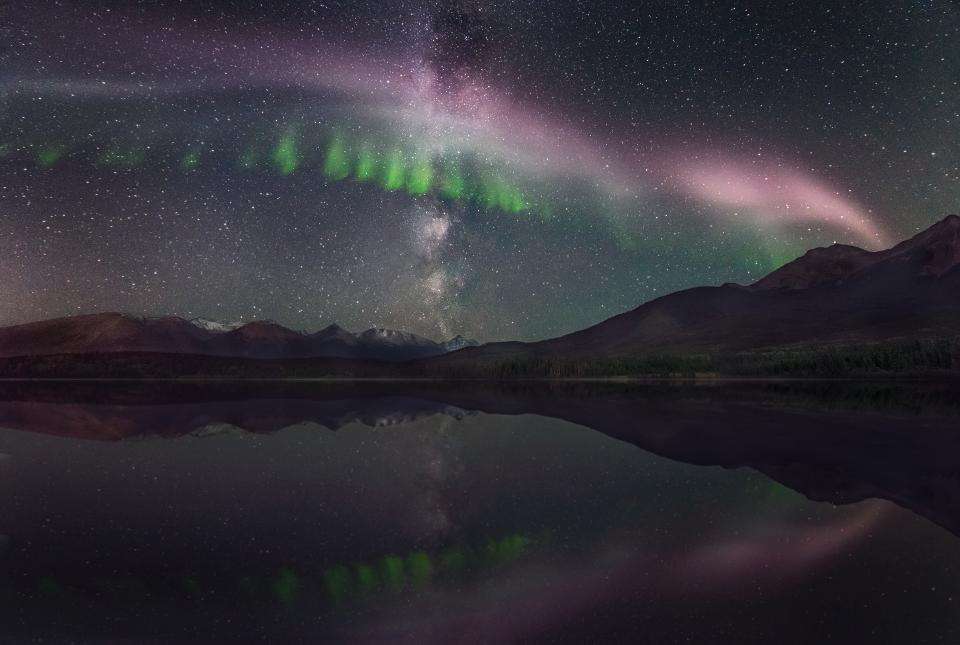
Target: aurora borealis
<point>501,169</point>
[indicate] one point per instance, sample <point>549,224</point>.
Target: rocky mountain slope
<point>839,294</point>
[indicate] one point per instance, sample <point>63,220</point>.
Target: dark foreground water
<point>737,513</point>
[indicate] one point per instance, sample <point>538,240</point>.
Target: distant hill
<point>118,333</point>
<point>840,295</point>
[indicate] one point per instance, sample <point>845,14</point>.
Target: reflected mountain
<point>830,441</point>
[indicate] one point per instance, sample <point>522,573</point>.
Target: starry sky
<point>503,169</point>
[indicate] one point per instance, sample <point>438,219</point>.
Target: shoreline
<point>951,376</point>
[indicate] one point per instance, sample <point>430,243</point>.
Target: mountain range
<point>838,296</point>
<point>119,333</point>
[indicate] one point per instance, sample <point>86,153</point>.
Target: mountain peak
<point>334,332</point>
<point>934,251</point>
<point>265,329</point>
<point>459,342</point>
<point>392,336</point>
<point>948,226</point>
<point>822,265</point>
<point>215,325</point>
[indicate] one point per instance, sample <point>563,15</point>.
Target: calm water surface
<point>480,513</point>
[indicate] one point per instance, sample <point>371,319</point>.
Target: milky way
<point>486,168</point>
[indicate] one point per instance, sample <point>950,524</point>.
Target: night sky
<point>500,169</point>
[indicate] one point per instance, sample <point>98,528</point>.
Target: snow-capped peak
<point>393,337</point>
<point>215,325</point>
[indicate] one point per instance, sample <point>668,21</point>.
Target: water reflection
<point>430,512</point>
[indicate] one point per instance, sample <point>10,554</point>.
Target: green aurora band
<point>418,174</point>
<point>394,165</point>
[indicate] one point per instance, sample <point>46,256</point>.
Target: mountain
<point>835,295</point>
<point>215,325</point>
<point>102,332</point>
<point>458,342</point>
<point>932,252</point>
<point>397,345</point>
<point>818,267</point>
<point>261,339</point>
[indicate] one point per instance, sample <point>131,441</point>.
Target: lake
<point>794,512</point>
